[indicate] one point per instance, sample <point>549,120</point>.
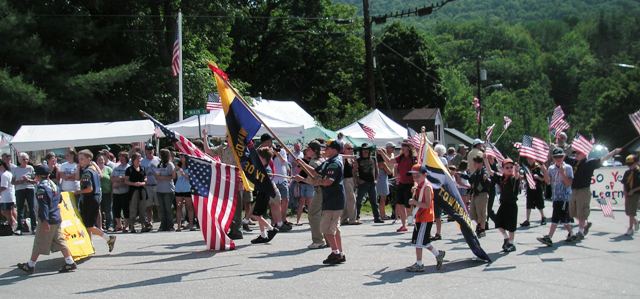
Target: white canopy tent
<point>288,111</point>
<point>386,129</point>
<point>32,138</point>
<point>216,125</point>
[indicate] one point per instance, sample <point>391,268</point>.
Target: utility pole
<point>368,46</point>
<point>479,99</point>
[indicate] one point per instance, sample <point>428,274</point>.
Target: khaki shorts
<point>276,199</point>
<point>579,204</point>
<point>330,223</point>
<point>245,196</point>
<point>631,204</point>
<point>49,241</point>
<point>478,208</point>
<point>152,196</point>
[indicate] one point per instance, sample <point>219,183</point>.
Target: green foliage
<point>338,113</point>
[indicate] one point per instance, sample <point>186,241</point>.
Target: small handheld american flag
<point>581,144</point>
<point>492,151</point>
<point>635,120</point>
<point>371,134</point>
<point>534,148</point>
<point>489,131</point>
<point>605,205</point>
<point>507,122</point>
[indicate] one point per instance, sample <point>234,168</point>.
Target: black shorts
<point>183,194</point>
<point>507,217</point>
<point>261,204</point>
<point>437,209</point>
<point>89,208</point>
<point>560,212</point>
<point>421,236</point>
<point>404,194</point>
<point>535,199</point>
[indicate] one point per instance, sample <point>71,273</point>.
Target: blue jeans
<point>106,208</point>
<point>370,189</point>
<point>26,196</point>
<point>164,209</point>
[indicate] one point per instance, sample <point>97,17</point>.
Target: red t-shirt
<point>420,195</point>
<point>404,166</point>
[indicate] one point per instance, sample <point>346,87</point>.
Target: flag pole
<point>180,98</point>
<point>500,135</point>
<point>630,142</point>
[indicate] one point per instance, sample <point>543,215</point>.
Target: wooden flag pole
<point>630,142</point>
<point>503,131</point>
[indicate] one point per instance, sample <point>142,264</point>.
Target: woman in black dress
<point>507,216</point>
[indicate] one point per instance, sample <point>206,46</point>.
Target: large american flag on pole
<point>635,120</point>
<point>581,144</point>
<point>534,148</point>
<point>214,199</point>
<point>371,134</point>
<point>213,102</point>
<point>176,68</point>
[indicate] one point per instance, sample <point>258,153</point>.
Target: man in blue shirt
<point>48,236</point>
<point>560,177</point>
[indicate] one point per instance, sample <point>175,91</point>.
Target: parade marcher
<point>277,218</point>
<point>281,173</point>
<point>423,199</point>
<point>135,177</point>
<point>535,193</point>
<point>307,192</point>
<point>493,190</point>
<point>8,197</point>
<point>315,209</point>
<point>150,162</point>
<point>440,150</point>
<point>579,206</point>
<point>365,174</point>
<point>120,190</point>
<point>560,177</point>
<point>165,173</point>
<point>264,201</point>
<point>49,237</point>
<point>403,162</point>
<point>477,149</point>
<point>183,194</point>
<point>294,188</point>
<point>631,181</point>
<point>350,213</point>
<point>90,194</point>
<point>23,179</point>
<point>106,203</point>
<point>385,172</point>
<point>507,216</point>
<point>479,191</point>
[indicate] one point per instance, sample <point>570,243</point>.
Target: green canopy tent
<point>321,132</point>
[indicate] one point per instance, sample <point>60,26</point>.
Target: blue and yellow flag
<point>242,126</point>
<point>451,201</point>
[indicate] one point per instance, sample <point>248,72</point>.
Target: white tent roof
<point>386,129</point>
<point>31,138</point>
<point>288,111</point>
<point>216,125</point>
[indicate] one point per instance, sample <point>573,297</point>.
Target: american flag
<point>489,131</point>
<point>559,126</point>
<point>581,144</point>
<point>371,134</point>
<point>534,148</point>
<point>529,176</point>
<point>635,120</point>
<point>507,122</point>
<point>557,115</point>
<point>414,139</point>
<point>176,68</point>
<point>183,144</point>
<point>605,205</point>
<point>213,102</point>
<point>214,199</point>
<point>492,151</point>
<point>476,105</point>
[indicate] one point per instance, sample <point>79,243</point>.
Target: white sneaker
<point>629,232</point>
<point>316,245</point>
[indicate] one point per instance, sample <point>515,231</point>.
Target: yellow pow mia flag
<point>75,234</point>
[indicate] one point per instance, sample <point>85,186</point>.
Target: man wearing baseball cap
<point>559,176</point>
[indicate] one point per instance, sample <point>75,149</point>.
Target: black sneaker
<point>332,259</point>
<point>235,235</point>
<point>26,268</point>
<point>545,240</point>
<point>436,237</point>
<point>511,248</point>
<point>110,243</point>
<point>272,233</point>
<point>68,268</point>
<point>343,258</point>
<point>525,223</point>
<point>440,259</point>
<point>246,228</point>
<point>505,244</point>
<point>259,240</point>
<point>586,228</point>
<point>543,221</point>
<point>378,221</point>
<point>571,238</point>
<point>284,228</point>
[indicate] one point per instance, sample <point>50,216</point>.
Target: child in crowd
<point>507,217</point>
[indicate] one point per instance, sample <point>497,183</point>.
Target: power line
<point>409,61</point>
<point>335,19</point>
<point>422,11</point>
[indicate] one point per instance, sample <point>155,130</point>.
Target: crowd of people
<point>327,179</point>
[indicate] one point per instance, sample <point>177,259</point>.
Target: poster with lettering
<point>607,182</point>
<point>73,230</point>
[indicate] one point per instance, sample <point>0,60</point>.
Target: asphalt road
<point>165,265</point>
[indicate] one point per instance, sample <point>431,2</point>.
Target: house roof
<point>421,114</point>
<point>457,134</point>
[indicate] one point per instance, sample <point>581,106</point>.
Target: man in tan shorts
<point>631,182</point>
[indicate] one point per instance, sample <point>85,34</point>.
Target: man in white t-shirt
<point>69,174</point>
<point>150,163</point>
<point>7,196</point>
<point>281,170</point>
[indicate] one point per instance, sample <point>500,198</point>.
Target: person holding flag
<point>631,181</point>
<point>263,201</point>
<point>559,176</point>
<point>507,217</point>
<point>535,188</point>
<point>583,168</point>
<point>479,191</point>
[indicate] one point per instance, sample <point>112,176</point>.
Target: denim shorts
<point>307,191</point>
<point>284,189</point>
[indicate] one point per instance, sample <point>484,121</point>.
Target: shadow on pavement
<point>182,257</point>
<point>620,238</point>
<point>43,268</point>
<point>175,278</point>
<point>280,253</point>
<point>278,274</point>
<point>384,234</point>
<point>385,276</point>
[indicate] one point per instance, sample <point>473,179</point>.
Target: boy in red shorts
<point>423,199</point>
